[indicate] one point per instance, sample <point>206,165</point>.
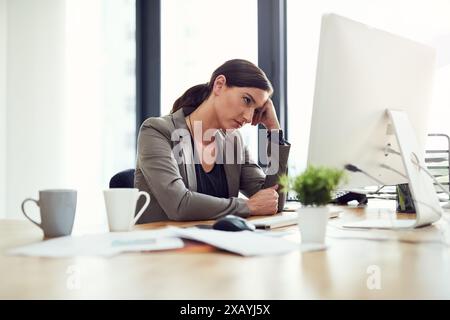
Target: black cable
<point>352,168</point>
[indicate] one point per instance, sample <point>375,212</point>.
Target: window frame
<point>272,57</point>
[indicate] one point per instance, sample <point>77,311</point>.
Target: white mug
<point>121,205</point>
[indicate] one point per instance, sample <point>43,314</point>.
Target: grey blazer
<point>165,168</point>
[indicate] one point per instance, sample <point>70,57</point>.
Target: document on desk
<point>245,243</point>
<point>107,244</point>
<point>438,232</point>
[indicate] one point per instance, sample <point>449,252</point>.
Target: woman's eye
<point>246,100</point>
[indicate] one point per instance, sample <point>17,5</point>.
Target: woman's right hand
<point>264,202</point>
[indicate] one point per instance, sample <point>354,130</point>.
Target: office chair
<point>123,179</point>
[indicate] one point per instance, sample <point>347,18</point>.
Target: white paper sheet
<point>245,243</point>
<point>107,244</point>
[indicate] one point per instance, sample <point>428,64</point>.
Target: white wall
<point>3,43</point>
<point>35,96</point>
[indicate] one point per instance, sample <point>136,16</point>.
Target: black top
<point>213,183</point>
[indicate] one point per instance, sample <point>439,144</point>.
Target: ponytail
<point>192,98</point>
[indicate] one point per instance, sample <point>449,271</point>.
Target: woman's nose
<point>248,115</point>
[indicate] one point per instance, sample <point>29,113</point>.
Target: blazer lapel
<point>187,152</point>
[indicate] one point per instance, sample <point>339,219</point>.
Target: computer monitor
<point>362,73</point>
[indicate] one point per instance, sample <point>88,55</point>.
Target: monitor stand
<point>426,202</point>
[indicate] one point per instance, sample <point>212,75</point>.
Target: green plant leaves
<point>314,185</point>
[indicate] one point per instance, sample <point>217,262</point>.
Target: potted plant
<point>313,189</point>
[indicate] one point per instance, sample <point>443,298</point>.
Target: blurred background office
<point>77,77</point>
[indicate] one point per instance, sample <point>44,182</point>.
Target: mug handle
<point>147,202</point>
<point>23,210</point>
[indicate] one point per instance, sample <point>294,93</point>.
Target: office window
<point>427,22</point>
<point>100,94</point>
<point>197,36</point>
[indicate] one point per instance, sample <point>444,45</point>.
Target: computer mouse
<point>233,223</point>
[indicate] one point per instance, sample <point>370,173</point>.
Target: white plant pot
<point>312,222</point>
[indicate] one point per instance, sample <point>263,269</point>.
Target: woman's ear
<point>219,84</point>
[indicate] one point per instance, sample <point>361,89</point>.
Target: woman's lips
<point>239,124</point>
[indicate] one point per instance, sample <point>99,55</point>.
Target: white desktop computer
<point>371,104</point>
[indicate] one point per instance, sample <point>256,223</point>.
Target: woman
<point>185,161</point>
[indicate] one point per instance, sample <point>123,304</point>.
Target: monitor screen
<point>361,73</point>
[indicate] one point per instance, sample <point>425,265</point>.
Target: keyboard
<point>343,197</point>
<point>285,219</point>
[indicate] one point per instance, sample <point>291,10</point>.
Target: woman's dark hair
<point>238,72</point>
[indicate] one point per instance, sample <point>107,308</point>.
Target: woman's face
<point>235,106</point>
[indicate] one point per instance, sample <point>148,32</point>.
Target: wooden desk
<point>407,270</point>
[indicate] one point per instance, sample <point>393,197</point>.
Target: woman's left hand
<point>266,116</point>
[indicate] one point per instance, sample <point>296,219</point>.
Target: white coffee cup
<point>121,205</point>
